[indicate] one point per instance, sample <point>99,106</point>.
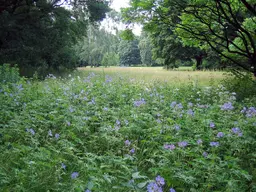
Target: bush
<point>9,74</point>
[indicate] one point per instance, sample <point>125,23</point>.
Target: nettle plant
<point>102,133</point>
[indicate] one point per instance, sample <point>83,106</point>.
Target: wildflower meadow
<point>104,133</point>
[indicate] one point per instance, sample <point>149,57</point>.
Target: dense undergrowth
<point>102,133</point>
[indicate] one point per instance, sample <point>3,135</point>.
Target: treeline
<point>40,35</point>
<point>213,33</point>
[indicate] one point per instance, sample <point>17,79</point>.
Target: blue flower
<point>32,131</point>
<point>50,133</point>
<point>177,127</point>
<point>214,144</point>
<point>132,151</point>
<point>139,102</point>
<point>87,190</point>
<point>212,125</point>
<point>74,175</point>
<point>160,180</point>
<point>63,166</point>
<point>227,106</point>
<point>153,187</point>
<point>173,104</point>
<point>199,141</point>
<point>127,143</point>
<point>220,134</point>
<point>183,144</point>
<point>205,154</point>
<point>172,190</point>
<point>169,146</point>
<point>190,112</point>
<point>57,136</point>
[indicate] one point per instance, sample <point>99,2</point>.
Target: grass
<point>109,133</point>
<point>149,74</point>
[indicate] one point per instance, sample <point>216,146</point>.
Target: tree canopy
<point>228,27</point>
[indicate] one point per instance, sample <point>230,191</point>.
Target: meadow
<point>104,131</point>
<point>180,76</point>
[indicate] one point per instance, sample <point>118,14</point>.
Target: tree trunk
<point>199,61</point>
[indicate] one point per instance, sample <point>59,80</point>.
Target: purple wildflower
<point>139,102</point>
<point>237,131</point>
<point>212,125</point>
<point>57,136</point>
<point>214,144</point>
<point>71,110</point>
<point>105,109</point>
<point>177,127</point>
<point>179,106</point>
<point>169,146</point>
<point>153,187</point>
<point>68,123</point>
<point>190,112</point>
<point>172,190</point>
<point>132,151</point>
<point>160,180</point>
<point>183,144</point>
<point>32,131</point>
<point>227,106</point>
<point>126,122</point>
<point>173,104</point>
<point>220,134</point>
<point>251,112</point>
<point>127,143</point>
<point>199,141</point>
<point>50,133</point>
<point>190,104</point>
<point>74,175</point>
<point>87,190</point>
<point>205,154</point>
<point>158,121</point>
<point>63,166</point>
<point>118,122</point>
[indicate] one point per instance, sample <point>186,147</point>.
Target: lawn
<point>110,133</point>
<point>148,74</point>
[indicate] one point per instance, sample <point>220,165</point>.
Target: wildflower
<point>237,131</point>
<point>158,121</point>
<point>139,102</point>
<point>132,151</point>
<point>105,109</point>
<point>212,125</point>
<point>214,144</point>
<point>251,112</point>
<point>71,110</point>
<point>172,190</point>
<point>68,123</point>
<point>50,133</point>
<point>87,190</point>
<point>74,175</point>
<point>205,154</point>
<point>173,104</point>
<point>57,136</point>
<point>127,143</point>
<point>118,122</point>
<point>243,110</point>
<point>220,134</point>
<point>183,144</point>
<point>177,127</point>
<point>199,141</point>
<point>227,106</point>
<point>179,106</point>
<point>153,187</point>
<point>190,112</point>
<point>190,104</point>
<point>63,166</point>
<point>170,147</point>
<point>160,180</point>
<point>126,122</point>
<point>32,131</point>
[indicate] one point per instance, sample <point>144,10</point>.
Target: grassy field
<point>184,75</point>
<point>108,133</point>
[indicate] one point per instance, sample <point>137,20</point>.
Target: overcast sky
<point>117,4</point>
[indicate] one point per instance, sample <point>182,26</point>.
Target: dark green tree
<point>39,35</point>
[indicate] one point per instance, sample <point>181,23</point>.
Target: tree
<point>129,53</point>
<point>40,35</point>
<point>227,27</point>
<point>224,26</point>
<point>146,47</point>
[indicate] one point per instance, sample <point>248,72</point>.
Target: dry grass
<point>159,74</point>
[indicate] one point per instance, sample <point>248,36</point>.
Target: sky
<point>117,5</point>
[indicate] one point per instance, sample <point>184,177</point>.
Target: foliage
<point>145,47</point>
<point>98,47</point>
<point>129,52</point>
<point>105,133</point>
<point>9,74</point>
<point>40,35</point>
